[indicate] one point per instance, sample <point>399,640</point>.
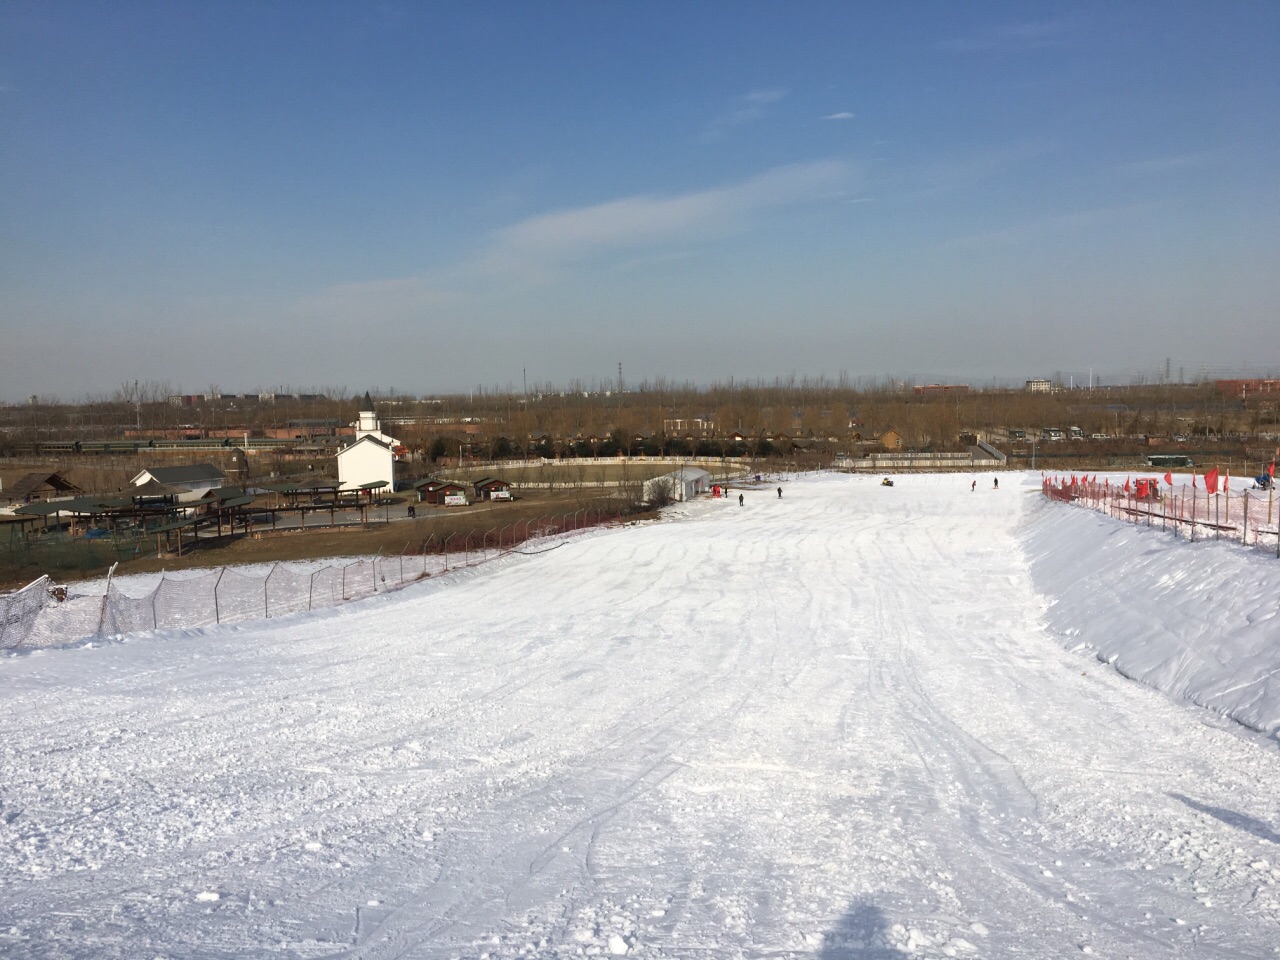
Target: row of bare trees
<point>606,421</point>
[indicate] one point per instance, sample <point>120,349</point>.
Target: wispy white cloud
<point>946,174</point>
<point>843,115</point>
<point>1159,165</point>
<point>550,240</point>
<point>635,229</point>
<point>1056,224</point>
<point>1011,37</point>
<point>745,109</point>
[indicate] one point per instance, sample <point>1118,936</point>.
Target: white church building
<point>370,457</point>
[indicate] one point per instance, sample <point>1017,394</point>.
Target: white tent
<point>682,484</point>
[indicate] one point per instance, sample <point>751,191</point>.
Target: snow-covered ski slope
<point>840,724</point>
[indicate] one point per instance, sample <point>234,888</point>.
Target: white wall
<point>363,463</point>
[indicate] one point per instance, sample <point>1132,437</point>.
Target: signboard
<point>455,499</point>
<point>500,495</point>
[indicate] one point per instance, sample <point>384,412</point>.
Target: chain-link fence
<point>43,614</point>
<point>1250,516</point>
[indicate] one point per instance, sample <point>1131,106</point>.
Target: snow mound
<point>1197,621</point>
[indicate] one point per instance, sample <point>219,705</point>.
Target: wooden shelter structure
<point>41,486</point>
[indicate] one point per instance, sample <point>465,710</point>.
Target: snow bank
<point>1197,621</point>
<point>827,725</point>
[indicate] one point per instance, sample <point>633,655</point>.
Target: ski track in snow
<point>831,725</point>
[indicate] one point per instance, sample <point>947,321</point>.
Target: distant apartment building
<point>1039,386</point>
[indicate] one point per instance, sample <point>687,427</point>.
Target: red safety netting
<point>1206,509</point>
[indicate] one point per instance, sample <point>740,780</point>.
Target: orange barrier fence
<point>1250,515</point>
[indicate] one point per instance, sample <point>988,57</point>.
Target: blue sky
<point>435,196</point>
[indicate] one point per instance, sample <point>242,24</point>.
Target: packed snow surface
<point>842,723</point>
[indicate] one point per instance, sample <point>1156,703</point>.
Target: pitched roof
<point>80,506</point>
<point>189,473</point>
<point>223,494</point>
<point>367,438</point>
<point>32,482</point>
<point>153,488</point>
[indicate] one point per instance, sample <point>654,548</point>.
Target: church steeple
<point>368,424</point>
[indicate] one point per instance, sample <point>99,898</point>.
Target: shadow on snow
<point>861,934</point>
<point>1232,819</point>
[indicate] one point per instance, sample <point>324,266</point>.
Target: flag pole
<point>1217,508</point>
<point>1193,507</point>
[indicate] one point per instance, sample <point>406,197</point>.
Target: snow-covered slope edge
<point>1197,621</point>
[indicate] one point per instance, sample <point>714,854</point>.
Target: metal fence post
<point>266,592</point>
<point>217,613</point>
<point>106,601</point>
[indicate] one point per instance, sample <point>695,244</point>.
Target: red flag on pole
<point>1126,484</point>
<point>1168,477</point>
<point>1193,480</point>
<point>1272,469</point>
<point>1211,480</point>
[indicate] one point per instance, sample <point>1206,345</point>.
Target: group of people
<point>995,484</point>
<point>742,500</point>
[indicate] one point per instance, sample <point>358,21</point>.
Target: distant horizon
<point>1152,376</point>
<point>444,195</point>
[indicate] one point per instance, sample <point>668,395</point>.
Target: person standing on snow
<point>779,493</point>
<point>973,486</point>
<point>995,483</point>
<point>739,499</point>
